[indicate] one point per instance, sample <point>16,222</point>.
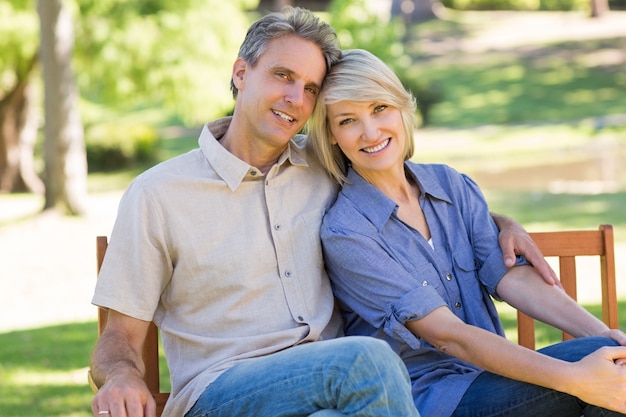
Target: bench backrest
<point>568,245</point>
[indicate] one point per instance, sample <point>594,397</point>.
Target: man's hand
<point>515,240</point>
<point>124,396</point>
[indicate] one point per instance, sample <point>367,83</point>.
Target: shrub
<point>110,147</point>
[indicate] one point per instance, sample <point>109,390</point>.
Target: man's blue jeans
<point>492,395</point>
<point>356,376</point>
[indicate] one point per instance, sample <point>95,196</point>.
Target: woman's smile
<point>378,147</point>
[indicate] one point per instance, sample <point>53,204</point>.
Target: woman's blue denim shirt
<point>384,273</point>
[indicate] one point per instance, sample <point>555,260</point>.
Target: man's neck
<point>249,151</point>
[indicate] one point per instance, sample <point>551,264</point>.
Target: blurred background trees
<point>64,149</point>
<point>19,43</point>
<point>140,66</point>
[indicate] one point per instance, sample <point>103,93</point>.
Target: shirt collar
<point>376,206</point>
<point>232,169</point>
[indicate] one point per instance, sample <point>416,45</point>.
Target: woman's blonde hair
<point>357,76</point>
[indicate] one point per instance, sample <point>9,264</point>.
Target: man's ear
<point>240,67</point>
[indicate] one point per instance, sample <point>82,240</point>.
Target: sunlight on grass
<point>23,376</point>
<point>44,371</point>
<point>16,208</point>
<point>580,96</point>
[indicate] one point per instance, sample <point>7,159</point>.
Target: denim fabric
<point>492,395</point>
<point>357,376</point>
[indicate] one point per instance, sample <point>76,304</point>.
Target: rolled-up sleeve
<point>367,277</point>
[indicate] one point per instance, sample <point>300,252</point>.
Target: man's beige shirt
<point>225,260</point>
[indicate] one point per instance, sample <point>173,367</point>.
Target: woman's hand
<point>602,382</point>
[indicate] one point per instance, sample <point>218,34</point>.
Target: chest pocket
<point>464,261</point>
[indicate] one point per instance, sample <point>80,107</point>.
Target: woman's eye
<point>345,122</point>
<point>380,108</point>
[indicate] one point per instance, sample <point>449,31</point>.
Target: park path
<point>48,263</point>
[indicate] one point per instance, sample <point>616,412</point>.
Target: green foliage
<point>114,146</point>
<point>19,40</point>
<point>170,52</point>
<point>359,26</point>
<point>427,92</point>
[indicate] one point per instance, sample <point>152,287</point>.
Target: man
<point>220,247</point>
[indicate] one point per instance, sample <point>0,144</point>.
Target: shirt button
<point>287,274</point>
<point>277,227</point>
<point>458,305</point>
<point>424,283</point>
<point>449,277</point>
<point>300,318</point>
<point>253,173</point>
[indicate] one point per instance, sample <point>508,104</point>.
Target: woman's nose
<point>370,129</point>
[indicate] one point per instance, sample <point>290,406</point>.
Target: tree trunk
<point>599,7</point>
<point>18,132</point>
<point>64,146</point>
<point>279,4</point>
<point>413,11</point>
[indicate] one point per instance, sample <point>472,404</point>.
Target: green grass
<point>561,211</point>
<point>550,82</point>
<point>43,372</point>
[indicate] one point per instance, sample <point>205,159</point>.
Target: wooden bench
<point>565,245</point>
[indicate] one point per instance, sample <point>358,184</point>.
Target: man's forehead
<point>294,55</point>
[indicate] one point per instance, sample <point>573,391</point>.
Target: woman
<point>413,256</point>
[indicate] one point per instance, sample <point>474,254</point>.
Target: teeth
<point>283,116</point>
<point>376,148</point>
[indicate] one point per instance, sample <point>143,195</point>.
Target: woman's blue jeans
<point>355,376</point>
<point>492,395</point>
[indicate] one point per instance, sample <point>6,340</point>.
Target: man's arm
<point>515,240</point>
<point>117,369</point>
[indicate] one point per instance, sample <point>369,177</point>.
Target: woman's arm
<point>595,379</point>
<point>522,288</point>
<point>514,240</point>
